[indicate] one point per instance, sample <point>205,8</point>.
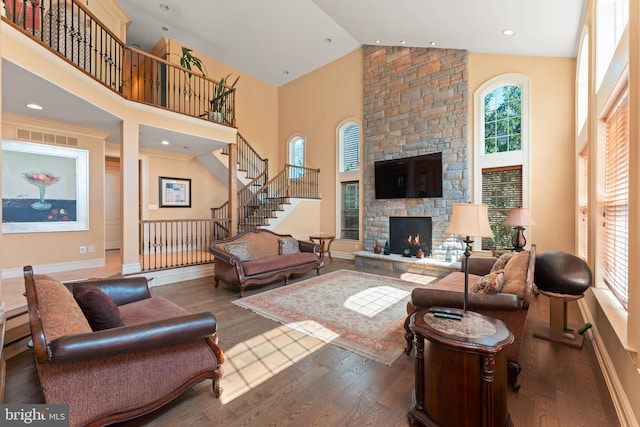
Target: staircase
<point>261,199</point>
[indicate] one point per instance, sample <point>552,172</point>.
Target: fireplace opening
<point>407,234</point>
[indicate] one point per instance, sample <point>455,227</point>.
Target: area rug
<point>360,312</point>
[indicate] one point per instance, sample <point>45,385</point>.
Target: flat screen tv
<point>409,178</point>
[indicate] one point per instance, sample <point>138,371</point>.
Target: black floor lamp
<point>470,220</point>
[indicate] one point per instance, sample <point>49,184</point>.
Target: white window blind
<point>351,148</point>
<point>501,191</point>
<point>614,251</point>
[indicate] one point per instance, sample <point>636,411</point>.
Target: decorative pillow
<point>515,273</point>
<point>289,245</point>
<point>100,310</point>
<point>240,249</point>
<point>501,262</point>
<point>59,312</point>
<point>490,284</point>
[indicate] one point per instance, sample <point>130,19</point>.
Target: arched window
<point>296,156</point>
<point>502,152</point>
<point>349,179</point>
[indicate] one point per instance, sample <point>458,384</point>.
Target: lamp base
<point>518,241</point>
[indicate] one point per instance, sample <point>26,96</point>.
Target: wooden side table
<point>461,371</point>
<point>325,244</point>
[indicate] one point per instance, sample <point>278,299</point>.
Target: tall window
<point>615,251</point>
<point>296,156</point>
<point>501,160</point>
<point>612,17</point>
<point>350,224</point>
<point>349,177</point>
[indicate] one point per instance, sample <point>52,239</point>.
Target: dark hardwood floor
<point>327,386</point>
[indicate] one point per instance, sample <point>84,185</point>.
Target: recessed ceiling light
<point>136,45</point>
<point>508,32</point>
<point>378,41</point>
<point>403,42</point>
<point>186,147</point>
<point>328,40</point>
<point>165,142</point>
<point>164,7</point>
<point>432,43</point>
<point>165,28</point>
<point>285,72</point>
<point>35,106</point>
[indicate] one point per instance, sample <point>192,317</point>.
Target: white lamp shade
<point>469,219</point>
<point>519,217</point>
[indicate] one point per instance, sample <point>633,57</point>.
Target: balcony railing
<point>168,244</point>
<point>73,32</point>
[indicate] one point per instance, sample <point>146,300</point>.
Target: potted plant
<point>221,91</point>
<point>187,60</point>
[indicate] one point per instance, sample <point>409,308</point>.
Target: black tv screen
<point>409,178</point>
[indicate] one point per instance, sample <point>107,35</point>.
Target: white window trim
<point>348,176</point>
<point>291,139</point>
<point>511,158</point>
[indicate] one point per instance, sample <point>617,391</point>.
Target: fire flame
<point>414,240</point>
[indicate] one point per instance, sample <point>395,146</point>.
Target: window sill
<point>615,313</point>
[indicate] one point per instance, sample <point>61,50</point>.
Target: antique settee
<point>258,257</point>
<point>506,299</point>
<point>116,353</point>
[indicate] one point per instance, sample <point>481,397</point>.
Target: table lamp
<point>519,217</point>
<point>470,220</point>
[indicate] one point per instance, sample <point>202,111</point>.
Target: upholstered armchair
<point>114,352</point>
<point>510,303</point>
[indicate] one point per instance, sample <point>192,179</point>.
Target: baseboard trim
<point>10,273</point>
<point>618,396</point>
<point>166,277</point>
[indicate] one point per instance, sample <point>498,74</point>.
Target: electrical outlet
<point>83,249</point>
<point>91,249</point>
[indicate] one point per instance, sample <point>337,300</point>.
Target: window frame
<point>348,176</point>
<point>297,173</point>
<point>520,157</point>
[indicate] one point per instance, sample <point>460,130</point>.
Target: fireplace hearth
<point>408,234</point>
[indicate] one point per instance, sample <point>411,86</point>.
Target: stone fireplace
<point>415,103</point>
<point>409,234</point>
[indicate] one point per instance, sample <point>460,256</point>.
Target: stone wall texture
<point>415,102</point>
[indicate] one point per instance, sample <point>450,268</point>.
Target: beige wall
<point>301,221</point>
<point>206,191</point>
<point>21,249</point>
<point>552,171</point>
<point>256,106</point>
<point>313,106</point>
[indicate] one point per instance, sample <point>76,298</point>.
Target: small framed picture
<point>175,192</point>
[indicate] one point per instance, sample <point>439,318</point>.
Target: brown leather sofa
<point>258,257</point>
<point>511,305</point>
<point>122,372</point>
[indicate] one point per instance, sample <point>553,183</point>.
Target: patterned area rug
<point>360,312</point>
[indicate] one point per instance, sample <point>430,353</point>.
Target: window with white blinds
<point>501,191</point>
<point>615,250</point>
<point>350,148</point>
